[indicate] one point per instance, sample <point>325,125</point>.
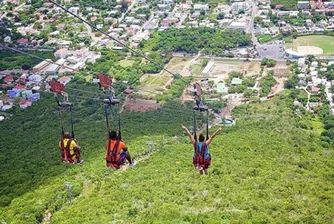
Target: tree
<point>241,11</point>
<point>268,62</point>
<point>292,82</point>
<point>124,6</point>
<point>26,67</point>
<point>248,93</point>
<point>220,16</point>
<point>204,62</point>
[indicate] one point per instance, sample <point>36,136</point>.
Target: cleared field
<point>156,80</point>
<point>126,63</point>
<point>226,66</point>
<point>196,69</point>
<point>156,83</point>
<point>326,43</point>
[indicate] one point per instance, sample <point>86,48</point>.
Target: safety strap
<point>114,150</point>
<point>207,125</point>
<point>119,124</point>
<point>107,118</point>
<point>195,135</point>
<point>203,149</point>
<point>71,121</point>
<point>68,145</point>
<point>108,150</point>
<point>62,143</point>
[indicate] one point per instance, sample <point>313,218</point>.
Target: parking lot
<point>274,49</point>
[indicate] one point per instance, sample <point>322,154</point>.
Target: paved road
<point>274,50</point>
<point>128,10</point>
<point>91,34</point>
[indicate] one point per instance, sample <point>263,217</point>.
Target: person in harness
<point>117,152</point>
<point>202,157</point>
<point>70,150</point>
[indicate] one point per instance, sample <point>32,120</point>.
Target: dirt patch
<point>279,87</point>
<point>140,105</point>
<point>281,70</point>
<point>222,68</point>
<point>310,50</point>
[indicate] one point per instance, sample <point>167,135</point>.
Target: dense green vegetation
<point>266,83</point>
<point>264,38</point>
<point>268,62</point>
<point>288,4</point>
<point>328,133</point>
<point>31,137</point>
<point>191,40</point>
<point>269,168</point>
<point>17,60</point>
<point>329,74</point>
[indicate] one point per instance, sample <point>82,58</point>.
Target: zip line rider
<point>117,152</point>
<point>202,157</point>
<point>70,150</point>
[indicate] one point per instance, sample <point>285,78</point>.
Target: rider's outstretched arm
<point>208,142</point>
<point>188,133</point>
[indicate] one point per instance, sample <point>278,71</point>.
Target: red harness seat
<point>199,159</point>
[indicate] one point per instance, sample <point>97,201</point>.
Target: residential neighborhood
<point>277,32</point>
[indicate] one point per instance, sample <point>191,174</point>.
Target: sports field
<point>326,43</point>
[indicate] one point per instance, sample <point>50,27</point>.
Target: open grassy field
<point>264,38</point>
<point>326,43</point>
<point>126,63</point>
<point>196,69</point>
<point>156,80</point>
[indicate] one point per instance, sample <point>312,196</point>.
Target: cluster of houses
<point>310,80</point>
<point>130,27</point>
<point>304,8</point>
<point>68,61</point>
<point>22,91</point>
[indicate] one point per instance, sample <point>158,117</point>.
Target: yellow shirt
<point>72,145</point>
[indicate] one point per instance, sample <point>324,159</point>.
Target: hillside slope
<point>266,169</point>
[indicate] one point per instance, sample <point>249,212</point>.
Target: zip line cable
<point>117,41</point>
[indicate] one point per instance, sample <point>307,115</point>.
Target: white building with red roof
<point>61,53</point>
<point>65,79</point>
<point>25,103</point>
<point>9,79</point>
<point>19,87</point>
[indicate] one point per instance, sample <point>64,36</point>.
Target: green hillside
<point>270,168</point>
